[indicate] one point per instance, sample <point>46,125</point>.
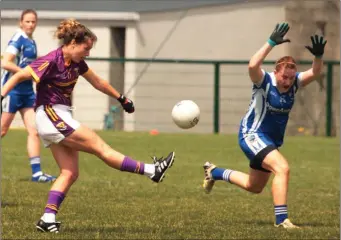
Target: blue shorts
<point>256,146</point>
<point>14,102</point>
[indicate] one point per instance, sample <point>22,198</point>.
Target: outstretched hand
<point>277,36</point>
<point>318,44</point>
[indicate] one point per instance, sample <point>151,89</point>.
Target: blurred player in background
<point>21,51</point>
<point>56,75</point>
<point>262,129</point>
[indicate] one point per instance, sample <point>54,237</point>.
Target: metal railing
<point>216,78</point>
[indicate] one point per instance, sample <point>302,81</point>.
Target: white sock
<point>49,217</point>
<point>37,174</point>
<point>149,169</point>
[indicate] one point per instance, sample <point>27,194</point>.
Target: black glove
<point>277,36</point>
<point>318,46</point>
<point>126,103</point>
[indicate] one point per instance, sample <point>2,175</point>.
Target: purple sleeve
<point>83,67</point>
<point>41,68</point>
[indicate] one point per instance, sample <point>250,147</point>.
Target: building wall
<point>315,17</point>
<point>220,32</point>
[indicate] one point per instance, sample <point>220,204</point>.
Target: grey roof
<point>112,5</point>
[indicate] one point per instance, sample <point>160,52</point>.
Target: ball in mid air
<point>186,114</point>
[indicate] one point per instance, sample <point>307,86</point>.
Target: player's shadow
<point>8,204</point>
<point>107,229</point>
<point>267,223</point>
<point>313,224</point>
<point>25,179</point>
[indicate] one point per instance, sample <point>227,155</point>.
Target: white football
<point>186,114</point>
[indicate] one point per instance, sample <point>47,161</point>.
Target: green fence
<point>217,65</point>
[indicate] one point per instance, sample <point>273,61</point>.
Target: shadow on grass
<point>108,229</point>
<point>267,223</point>
<point>8,204</point>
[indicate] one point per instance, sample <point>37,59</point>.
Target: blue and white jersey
<point>25,50</point>
<point>268,112</point>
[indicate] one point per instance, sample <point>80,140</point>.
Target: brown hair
<point>23,13</point>
<point>285,62</point>
<point>70,29</point>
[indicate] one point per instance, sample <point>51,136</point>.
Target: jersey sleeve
<point>14,45</point>
<point>265,80</point>
<point>41,68</point>
<point>83,67</point>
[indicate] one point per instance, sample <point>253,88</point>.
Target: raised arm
<point>317,49</point>
<point>277,37</point>
<point>107,89</point>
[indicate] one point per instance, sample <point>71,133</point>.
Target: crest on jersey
<point>282,99</point>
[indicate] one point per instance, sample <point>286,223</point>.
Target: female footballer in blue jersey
<point>56,75</point>
<point>21,51</point>
<point>262,128</point>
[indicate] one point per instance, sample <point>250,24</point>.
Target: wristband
<point>272,43</point>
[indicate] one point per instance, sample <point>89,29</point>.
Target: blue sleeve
<point>266,79</point>
<point>14,45</point>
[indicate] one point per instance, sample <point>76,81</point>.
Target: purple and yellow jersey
<point>55,78</point>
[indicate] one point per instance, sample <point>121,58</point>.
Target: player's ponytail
<point>70,29</point>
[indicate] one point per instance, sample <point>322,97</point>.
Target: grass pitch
<point>109,204</point>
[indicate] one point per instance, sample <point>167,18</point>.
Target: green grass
<point>109,204</point>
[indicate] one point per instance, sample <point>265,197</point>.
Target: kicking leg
<point>85,139</point>
<point>253,182</point>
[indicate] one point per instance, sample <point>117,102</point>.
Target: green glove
<point>318,46</point>
<point>277,36</point>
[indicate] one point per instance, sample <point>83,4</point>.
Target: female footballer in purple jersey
<point>56,75</point>
<point>263,127</point>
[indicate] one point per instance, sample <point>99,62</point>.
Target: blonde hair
<point>285,62</point>
<point>70,29</point>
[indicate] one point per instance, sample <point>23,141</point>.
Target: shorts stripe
<point>256,145</point>
<point>58,122</point>
<point>51,113</point>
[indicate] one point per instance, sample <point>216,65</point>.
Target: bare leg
<point>6,120</point>
<point>276,163</point>
<point>33,141</point>
<point>253,182</point>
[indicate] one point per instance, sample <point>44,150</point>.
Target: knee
<point>3,131</point>
<point>32,132</point>
<point>71,177</point>
<point>255,189</point>
<point>282,169</point>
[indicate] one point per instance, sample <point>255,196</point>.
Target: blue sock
<point>281,213</point>
<point>221,174</point>
<point>35,166</point>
